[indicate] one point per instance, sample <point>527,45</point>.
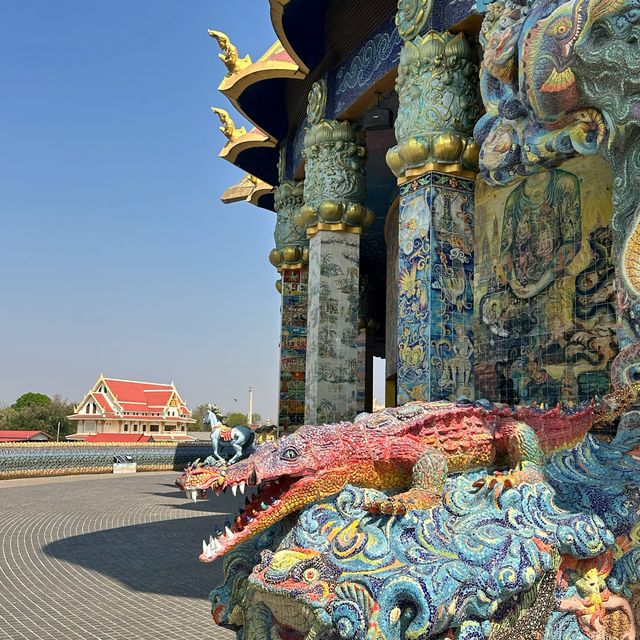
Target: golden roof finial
<point>229,53</point>
<point>228,127</point>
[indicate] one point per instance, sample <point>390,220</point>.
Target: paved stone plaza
<point>105,558</point>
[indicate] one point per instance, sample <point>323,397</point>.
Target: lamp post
<point>250,413</point>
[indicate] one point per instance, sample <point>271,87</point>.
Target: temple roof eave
<point>257,90</point>
<point>277,15</point>
<point>252,190</point>
<point>289,17</point>
<point>253,152</point>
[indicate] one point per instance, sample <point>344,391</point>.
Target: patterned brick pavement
<point>105,558</point>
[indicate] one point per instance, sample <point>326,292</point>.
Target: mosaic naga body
<point>537,561</point>
<point>411,446</point>
<point>560,79</point>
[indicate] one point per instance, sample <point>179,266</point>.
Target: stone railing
<point>33,459</point>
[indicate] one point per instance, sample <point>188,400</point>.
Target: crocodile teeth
<point>228,532</point>
<point>242,485</point>
<point>234,489</point>
<point>205,547</point>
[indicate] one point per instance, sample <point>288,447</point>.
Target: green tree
<point>31,399</point>
<point>236,419</point>
<point>40,416</point>
<point>198,414</point>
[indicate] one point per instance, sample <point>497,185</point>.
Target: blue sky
<point>116,253</point>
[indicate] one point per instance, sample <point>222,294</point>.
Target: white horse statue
<point>230,444</point>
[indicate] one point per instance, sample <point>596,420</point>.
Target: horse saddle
<point>226,433</point>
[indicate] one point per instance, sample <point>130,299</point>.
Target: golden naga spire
<point>229,53</point>
<point>228,127</point>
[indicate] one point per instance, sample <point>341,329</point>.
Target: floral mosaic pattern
<point>544,287</point>
<point>332,353</point>
<point>435,301</point>
<point>293,345</point>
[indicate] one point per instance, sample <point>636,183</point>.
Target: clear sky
<point>116,254</point>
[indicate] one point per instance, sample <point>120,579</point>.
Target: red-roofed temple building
<point>115,406</point>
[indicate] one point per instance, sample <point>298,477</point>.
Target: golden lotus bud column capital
<point>292,247</point>
<point>335,154</point>
<point>437,87</point>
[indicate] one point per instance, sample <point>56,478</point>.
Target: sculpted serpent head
<point>313,463</point>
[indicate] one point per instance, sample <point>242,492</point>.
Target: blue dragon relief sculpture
<point>557,560</point>
<point>562,78</point>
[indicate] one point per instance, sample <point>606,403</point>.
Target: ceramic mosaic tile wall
<point>28,459</point>
<point>435,297</point>
<point>365,66</point>
<point>293,346</point>
<point>332,331</point>
<point>544,286</point>
<point>391,328</point>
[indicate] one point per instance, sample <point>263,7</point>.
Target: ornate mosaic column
<point>290,257</point>
<point>334,216</point>
<point>435,163</point>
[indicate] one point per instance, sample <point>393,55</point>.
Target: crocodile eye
<point>310,575</point>
<point>289,454</point>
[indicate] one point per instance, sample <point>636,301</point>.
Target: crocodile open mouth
<point>272,501</point>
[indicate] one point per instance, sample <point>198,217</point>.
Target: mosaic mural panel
<point>544,286</point>
<point>435,291</point>
<point>332,330</point>
<point>293,347</point>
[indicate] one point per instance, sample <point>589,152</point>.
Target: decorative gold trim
<point>250,140</point>
<point>249,189</point>
<point>332,226</point>
<point>291,267</point>
<point>266,68</point>
<point>454,169</point>
<point>277,13</point>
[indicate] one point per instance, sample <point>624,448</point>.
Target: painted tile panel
<point>332,353</point>
<point>544,286</point>
<point>435,294</point>
<point>293,346</point>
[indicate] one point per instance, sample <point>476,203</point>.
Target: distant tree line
<point>39,412</point>
<point>233,419</point>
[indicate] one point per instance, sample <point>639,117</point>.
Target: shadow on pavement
<point>158,557</point>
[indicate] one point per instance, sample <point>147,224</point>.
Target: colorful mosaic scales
<point>558,559</point>
<point>417,445</point>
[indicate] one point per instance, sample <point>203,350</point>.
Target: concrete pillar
<point>334,216</point>
<point>290,257</point>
